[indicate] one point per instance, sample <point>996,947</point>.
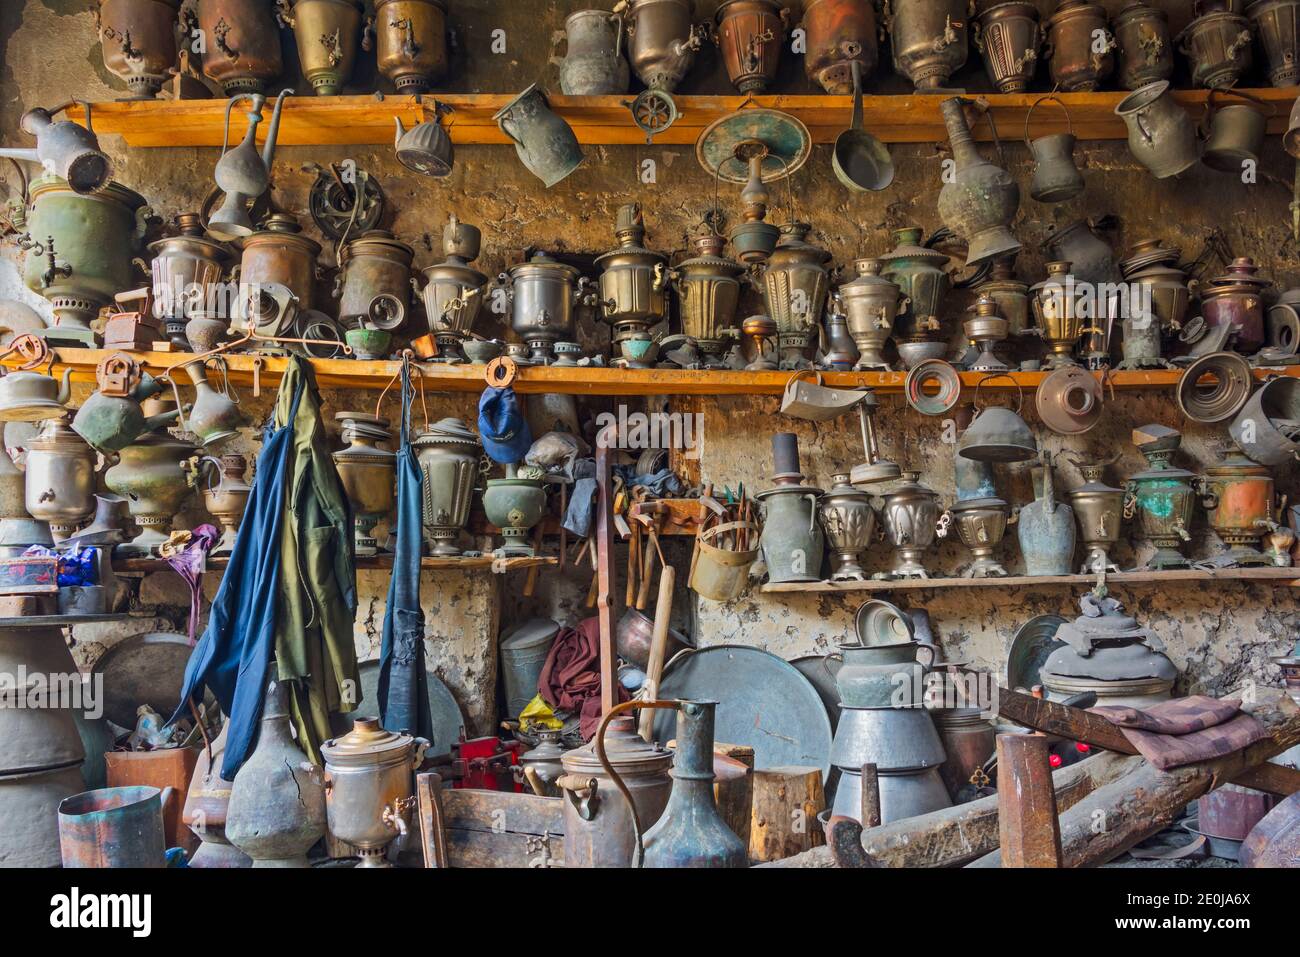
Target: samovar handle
<point>582,794</point>
<point>812,511</point>
<point>943,524</point>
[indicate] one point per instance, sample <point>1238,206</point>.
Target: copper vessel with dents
<point>138,40</point>
<point>839,32</point>
<point>750,35</point>
<point>243,44</point>
<point>1080,46</point>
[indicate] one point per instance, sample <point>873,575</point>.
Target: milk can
<point>792,540</point>
<point>594,63</point>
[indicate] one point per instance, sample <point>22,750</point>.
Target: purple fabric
<point>189,563</point>
<point>1186,730</point>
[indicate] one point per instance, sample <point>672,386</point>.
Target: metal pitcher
<point>242,173</point>
<point>1235,138</point>
<point>792,541</point>
<point>545,143</point>
<point>883,676</point>
<point>1045,528</point>
<point>1056,178</point>
<point>981,200</point>
<point>594,64</point>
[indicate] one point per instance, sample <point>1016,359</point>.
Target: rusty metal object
<point>1239,495</point>
<point>1029,830</point>
<point>1008,35</point>
<point>796,284</point>
<point>1069,400</point>
<point>114,827</point>
<point>411,42</point>
<point>169,770</point>
<point>1223,397</point>
<point>374,282</point>
<point>1275,840</point>
<point>280,253</point>
<point>750,35</point>
<point>243,44</point>
<point>1146,49</point>
<point>1236,299</point>
<point>662,40</point>
<point>138,40</point>
<point>838,33</point>
<point>708,292</point>
<point>1073,34</point>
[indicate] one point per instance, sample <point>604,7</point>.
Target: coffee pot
<point>225,501</point>
<point>27,396</point>
<point>67,149</point>
<point>242,173</point>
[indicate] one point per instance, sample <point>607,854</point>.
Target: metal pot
<point>792,541</point>
<point>662,39</point>
<point>1146,49</point>
<point>911,515</point>
<point>1007,34</point>
<point>453,291</point>
<point>882,676</point>
<point>1236,137</point>
<point>60,478</point>
<point>849,521</point>
<point>598,828</point>
<point>1045,528</point>
<point>411,42</point>
<point>280,253</point>
<point>796,283</point>
<point>1217,42</point>
<point>594,63</point>
<point>368,794</point>
<point>838,32</point>
<point>1077,65</point>
<point>750,34</point>
<point>151,474</point>
<point>893,739</point>
<point>543,294</point>
<point>545,760</point>
<point>708,291</point>
<point>920,276</point>
<point>1056,178</point>
<point>981,199</point>
<point>1163,497</point>
<point>450,457</point>
<point>114,827</point>
<point>368,473</point>
<point>903,794</point>
<point>1161,134</point>
<point>243,45</point>
<point>138,40</point>
<point>545,143</point>
<point>1277,24</point>
<point>326,32</point>
<point>1010,294</point>
<point>374,282</point>
<point>33,396</point>
<point>81,249</point>
<point>633,635</point>
<point>929,39</point>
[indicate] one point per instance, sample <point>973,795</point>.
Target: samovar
<point>542,294</point>
<point>849,521</point>
<point>450,457</point>
<point>1107,652</point>
<point>985,329</point>
<point>1082,46</point>
<point>796,284</point>
<point>1158,298</point>
<point>374,280</point>
<point>242,51</point>
<point>929,39</point>
<point>839,32</point>
<point>1146,50</point>
<point>1162,496</point>
<point>981,525</point>
<point>870,304</point>
<point>150,473</point>
<point>60,478</point>
<point>368,473</point>
<point>920,275</point>
<point>225,501</point>
<point>1277,25</point>
<point>1239,496</point>
<point>514,505</point>
<point>911,516</point>
<point>750,34</point>
<point>80,250</point>
<point>792,541</point>
<point>327,32</point>
<point>708,291</point>
<point>1236,299</point>
<point>368,799</point>
<point>138,40</point>
<point>1008,35</point>
<point>633,281</point>
<point>411,42</point>
<point>1100,510</point>
<point>1009,293</point>
<point>453,291</point>
<point>662,38</point>
<point>186,269</point>
<point>1217,42</point>
<point>280,253</point>
<point>1059,311</point>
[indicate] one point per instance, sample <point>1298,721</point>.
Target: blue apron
<point>233,657</point>
<point>403,683</point>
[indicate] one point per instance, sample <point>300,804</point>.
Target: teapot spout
<point>152,422</point>
<point>401,131</point>
<point>65,386</point>
<point>273,131</point>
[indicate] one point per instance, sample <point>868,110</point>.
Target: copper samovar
<point>708,291</point>
<point>633,281</point>
<point>1239,496</point>
<point>1162,496</point>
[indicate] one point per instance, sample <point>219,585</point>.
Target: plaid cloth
<point>1185,730</point>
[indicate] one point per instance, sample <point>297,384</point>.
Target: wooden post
<point>786,804</point>
<point>870,797</point>
<point>1028,828</point>
<point>605,442</point>
<point>433,836</point>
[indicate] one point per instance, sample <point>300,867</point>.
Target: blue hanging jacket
<point>403,682</point>
<point>233,657</point>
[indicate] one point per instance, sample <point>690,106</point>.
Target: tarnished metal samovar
<point>1008,35</point>
<point>1277,25</point>
<point>60,478</point>
<point>368,473</point>
<point>792,541</point>
<point>662,39</point>
<point>1163,497</point>
<point>796,283</point>
<point>1100,510</point>
<point>1236,299</point>
<point>1146,49</point>
<point>1239,496</point>
<point>920,275</point>
<point>1217,42</point>
<point>186,269</point>
<point>242,50</point>
<point>929,38</point>
<point>138,40</point>
<point>708,292</point>
<point>981,524</point>
<point>280,253</point>
<point>849,520</point>
<point>911,516</point>
<point>411,42</point>
<point>633,281</point>
<point>453,291</point>
<point>985,329</point>
<point>1010,294</point>
<point>1159,295</point>
<point>1058,314</point>
<point>870,304</point>
<point>839,32</point>
<point>326,32</point>
<point>373,286</point>
<point>543,294</point>
<point>1081,44</point>
<point>450,457</point>
<point>151,473</point>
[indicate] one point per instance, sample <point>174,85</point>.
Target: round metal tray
<point>446,713</point>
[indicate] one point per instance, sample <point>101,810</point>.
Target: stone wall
<point>49,52</point>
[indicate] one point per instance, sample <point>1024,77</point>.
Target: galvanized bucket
<point>720,574</point>
<point>523,652</point>
<point>113,827</point>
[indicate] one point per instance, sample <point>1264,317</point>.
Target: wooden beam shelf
<point>1286,577</point>
<point>606,120</point>
<point>585,380</point>
<point>129,566</point>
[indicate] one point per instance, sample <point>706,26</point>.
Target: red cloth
<point>570,678</point>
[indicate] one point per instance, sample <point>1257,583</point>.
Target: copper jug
<point>411,42</point>
<point>1080,46</point>
<point>138,40</point>
<point>1146,50</point>
<point>243,44</point>
<point>837,33</point>
<point>750,34</point>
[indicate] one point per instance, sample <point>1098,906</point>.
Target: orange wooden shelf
<point>606,120</point>
<point>1286,577</point>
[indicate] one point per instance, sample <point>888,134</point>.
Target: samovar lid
<point>380,238</point>
<point>366,744</point>
<point>909,246</point>
<point>967,504</point>
<point>868,275</point>
<point>1107,644</point>
<point>626,751</point>
<point>1234,462</point>
<point>542,261</point>
<point>447,431</point>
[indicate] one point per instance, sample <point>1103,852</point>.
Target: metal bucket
<point>1056,178</point>
<point>1161,136</point>
<point>1235,138</point>
<point>113,827</point>
<point>523,652</point>
<point>902,795</point>
<point>30,836</point>
<point>720,574</point>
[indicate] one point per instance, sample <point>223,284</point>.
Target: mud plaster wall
<point>1219,636</point>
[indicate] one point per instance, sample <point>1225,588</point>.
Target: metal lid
<point>542,262</point>
<point>375,241</point>
<point>966,505</point>
<point>1108,644</point>
<point>366,744</point>
<point>881,624</point>
<point>529,634</point>
<point>626,751</point>
<point>448,431</point>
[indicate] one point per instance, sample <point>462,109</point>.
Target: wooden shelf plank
<point>1269,576</point>
<point>464,564</point>
<point>586,380</point>
<point>606,121</point>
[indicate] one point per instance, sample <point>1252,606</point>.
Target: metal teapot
<point>32,396</point>
<point>111,419</point>
<point>67,149</point>
<point>425,148</point>
<point>241,173</point>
